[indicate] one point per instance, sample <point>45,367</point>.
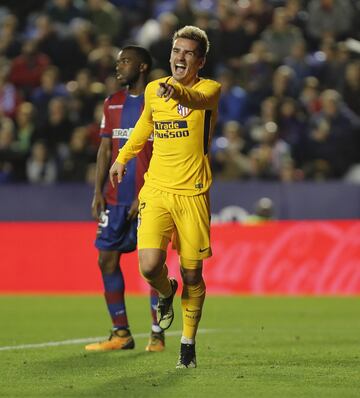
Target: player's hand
<point>166,91</point>
<point>134,209</point>
<point>98,205</point>
<point>116,172</point>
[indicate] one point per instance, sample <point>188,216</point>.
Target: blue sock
<point>114,295</point>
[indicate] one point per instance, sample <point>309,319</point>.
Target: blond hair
<point>194,33</point>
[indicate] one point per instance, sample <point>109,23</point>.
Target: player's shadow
<point>130,373</point>
<point>84,360</point>
<point>146,383</point>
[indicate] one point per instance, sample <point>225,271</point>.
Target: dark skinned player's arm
<point>103,163</point>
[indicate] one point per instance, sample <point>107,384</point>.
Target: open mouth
<point>180,68</point>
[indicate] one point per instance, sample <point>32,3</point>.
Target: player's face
<point>185,61</point>
<point>127,67</point>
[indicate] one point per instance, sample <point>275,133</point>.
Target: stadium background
<point>288,129</point>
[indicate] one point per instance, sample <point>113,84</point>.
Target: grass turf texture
<point>254,347</point>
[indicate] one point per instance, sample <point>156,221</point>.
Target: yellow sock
<point>160,282</point>
<point>192,300</point>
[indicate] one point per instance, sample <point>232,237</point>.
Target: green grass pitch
<point>247,347</point>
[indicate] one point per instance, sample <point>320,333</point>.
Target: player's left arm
<point>103,162</point>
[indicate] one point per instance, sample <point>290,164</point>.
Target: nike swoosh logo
<point>203,250</point>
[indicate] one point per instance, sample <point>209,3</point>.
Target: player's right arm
<point>116,172</point>
<point>206,97</point>
<point>103,162</point>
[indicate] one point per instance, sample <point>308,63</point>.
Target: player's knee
<point>191,271</point>
<point>151,262</point>
<point>108,263</point>
<point>191,276</point>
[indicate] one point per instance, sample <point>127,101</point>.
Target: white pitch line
<point>88,340</point>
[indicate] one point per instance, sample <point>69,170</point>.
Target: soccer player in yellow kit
<point>180,111</point>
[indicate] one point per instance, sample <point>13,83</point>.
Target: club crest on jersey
<point>183,110</point>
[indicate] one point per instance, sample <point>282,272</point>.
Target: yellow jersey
<point>182,131</point>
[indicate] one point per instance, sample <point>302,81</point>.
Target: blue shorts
<point>115,232</point>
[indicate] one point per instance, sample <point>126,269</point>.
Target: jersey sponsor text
<point>171,129</point>
<point>122,133</point>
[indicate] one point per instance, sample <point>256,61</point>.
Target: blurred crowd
<point>290,75</point>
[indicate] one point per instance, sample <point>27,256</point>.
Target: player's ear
<point>202,63</point>
<point>144,67</point>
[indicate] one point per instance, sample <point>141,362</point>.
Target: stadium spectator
<point>296,15</point>
<point>10,99</point>
<point>10,44</point>
<point>270,155</point>
<point>62,12</point>
<point>350,88</point>
<point>102,58</point>
<point>292,128</point>
<point>284,83</point>
<point>110,86</point>
<point>76,156</point>
<point>49,88</point>
<point>47,38</point>
<point>84,95</point>
<point>300,62</point>
<point>331,68</point>
<point>184,11</point>
<point>27,68</point>
<point>308,98</point>
<point>161,47</point>
<point>209,24</point>
<point>105,17</point>
<point>280,36</point>
<point>259,11</point>
<point>233,99</point>
<point>76,48</point>
<point>230,160</point>
<point>8,157</point>
<point>255,74</point>
<point>235,39</point>
<point>41,167</point>
<point>148,33</point>
<point>332,136</point>
<point>329,19</point>
<point>174,200</point>
<point>25,128</point>
<point>57,128</point>
<point>94,127</point>
<point>268,114</point>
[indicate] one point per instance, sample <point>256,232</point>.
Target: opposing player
<point>117,208</point>
<point>180,111</point>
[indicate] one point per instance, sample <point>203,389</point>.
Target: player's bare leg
<point>155,272</point>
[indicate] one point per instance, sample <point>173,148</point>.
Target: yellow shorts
<point>185,220</point>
